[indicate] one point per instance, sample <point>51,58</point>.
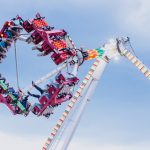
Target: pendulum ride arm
<point>84,93</point>
<point>144,69</point>
<point>46,77</point>
<point>123,51</point>
<point>89,82</point>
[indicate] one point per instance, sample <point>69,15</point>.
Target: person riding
<point>19,95</point>
<point>12,91</point>
<point>24,102</point>
<point>2,56</point>
<point>2,78</point>
<point>4,44</point>
<point>42,91</point>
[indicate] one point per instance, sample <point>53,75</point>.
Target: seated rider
<point>2,78</point>
<point>20,97</point>
<point>3,85</point>
<point>24,102</point>
<point>4,44</point>
<point>40,106</point>
<point>15,30</point>
<point>3,49</point>
<point>45,25</point>
<point>13,92</point>
<point>42,91</point>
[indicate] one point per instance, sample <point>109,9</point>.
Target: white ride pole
<point>110,52</point>
<point>90,91</point>
<point>61,144</point>
<point>46,77</point>
<point>57,130</point>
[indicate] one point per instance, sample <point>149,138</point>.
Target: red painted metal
<point>60,57</point>
<point>53,91</point>
<point>36,110</point>
<point>6,25</point>
<point>2,91</point>
<point>27,26</point>
<point>60,78</point>
<point>51,41</point>
<point>4,101</point>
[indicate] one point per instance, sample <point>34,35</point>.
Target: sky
<point>118,116</point>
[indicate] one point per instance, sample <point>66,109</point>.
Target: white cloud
<point>11,142</point>
<point>93,145</point>
<point>135,16</point>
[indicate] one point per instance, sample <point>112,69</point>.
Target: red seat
<point>60,78</point>
<point>56,33</point>
<point>2,99</point>
<point>74,80</point>
<point>17,110</point>
<point>46,48</point>
<point>8,99</point>
<point>59,58</point>
<point>2,91</point>
<point>72,52</point>
<point>52,89</point>
<point>27,26</point>
<point>43,100</point>
<point>36,37</point>
<point>36,110</point>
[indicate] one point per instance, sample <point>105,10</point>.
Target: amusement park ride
<point>62,51</point>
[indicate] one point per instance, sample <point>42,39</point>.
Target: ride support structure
<point>83,94</point>
<point>64,130</point>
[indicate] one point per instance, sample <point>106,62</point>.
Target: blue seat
<point>3,44</point>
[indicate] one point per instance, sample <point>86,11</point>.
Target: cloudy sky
<point>118,117</point>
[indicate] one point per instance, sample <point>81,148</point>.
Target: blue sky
<point>117,118</point>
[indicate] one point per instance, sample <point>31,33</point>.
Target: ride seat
<point>36,110</point>
<point>59,58</point>
<point>46,48</point>
<point>72,52</point>
<point>9,99</point>
<point>52,89</point>
<point>36,37</point>
<point>27,26</point>
<point>73,80</point>
<point>60,78</point>
<point>43,100</point>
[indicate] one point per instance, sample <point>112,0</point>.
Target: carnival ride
<point>62,51</point>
